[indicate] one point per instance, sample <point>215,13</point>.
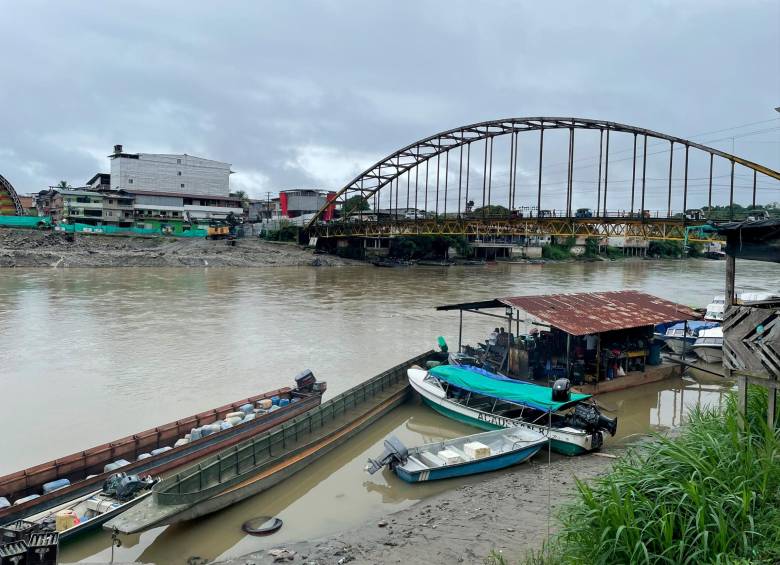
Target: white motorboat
<point>715,309</point>
<point>709,345</point>
<point>681,336</point>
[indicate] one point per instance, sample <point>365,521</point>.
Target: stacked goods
<point>118,463</point>
<point>476,450</point>
<point>265,403</point>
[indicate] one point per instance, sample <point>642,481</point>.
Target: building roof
<point>103,177</point>
<point>591,312</point>
<point>182,195</point>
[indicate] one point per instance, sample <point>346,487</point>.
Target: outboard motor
<point>561,390</point>
<point>588,418</point>
<point>305,380</point>
<point>395,453</point>
<point>123,486</point>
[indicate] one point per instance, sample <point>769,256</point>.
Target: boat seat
<point>414,464</point>
<point>431,459</point>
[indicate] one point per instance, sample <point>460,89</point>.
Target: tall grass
<point>710,495</point>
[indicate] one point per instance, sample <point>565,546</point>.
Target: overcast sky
<point>307,94</point>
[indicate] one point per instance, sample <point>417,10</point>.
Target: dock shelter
<point>586,337</point>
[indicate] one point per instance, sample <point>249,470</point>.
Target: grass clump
<point>710,495</point>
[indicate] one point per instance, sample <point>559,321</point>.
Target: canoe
<point>459,457</point>
<point>489,401</point>
<point>149,451</point>
<point>258,464</point>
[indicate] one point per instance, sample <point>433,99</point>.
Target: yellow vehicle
<point>218,231</point>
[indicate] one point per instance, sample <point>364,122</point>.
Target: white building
<point>173,174</point>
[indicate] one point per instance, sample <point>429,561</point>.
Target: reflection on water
<point>110,352</point>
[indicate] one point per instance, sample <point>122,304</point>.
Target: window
<point>110,213</point>
<point>179,173</point>
<point>130,181</point>
<point>178,162</point>
<point>182,185</point>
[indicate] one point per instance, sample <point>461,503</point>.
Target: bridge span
<point>491,178</point>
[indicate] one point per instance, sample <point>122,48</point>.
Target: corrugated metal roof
<point>594,312</point>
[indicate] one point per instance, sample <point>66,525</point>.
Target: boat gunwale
<point>206,445</point>
<point>536,446</point>
<point>398,372</point>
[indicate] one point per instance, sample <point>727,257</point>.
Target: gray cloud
<point>308,93</point>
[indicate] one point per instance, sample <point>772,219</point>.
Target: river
<point>89,355</point>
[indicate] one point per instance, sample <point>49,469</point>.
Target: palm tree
<point>63,184</point>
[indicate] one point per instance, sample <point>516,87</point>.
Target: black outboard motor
<point>395,453</point>
<point>561,390</point>
<point>123,486</point>
<point>305,380</point>
<point>588,418</point>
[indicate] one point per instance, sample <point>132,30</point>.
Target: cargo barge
<point>155,451</point>
<point>258,464</point>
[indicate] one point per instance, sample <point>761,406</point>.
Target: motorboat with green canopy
<point>572,421</point>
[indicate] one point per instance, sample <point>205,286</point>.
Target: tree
<point>63,184</point>
<point>242,195</point>
<point>354,204</point>
<point>492,210</point>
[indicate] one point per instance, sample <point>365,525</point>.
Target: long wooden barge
<point>85,469</point>
<point>257,464</point>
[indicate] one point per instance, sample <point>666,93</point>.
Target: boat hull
<point>709,354</point>
<point>485,465</point>
<point>677,344</point>
<point>565,443</point>
<point>161,463</point>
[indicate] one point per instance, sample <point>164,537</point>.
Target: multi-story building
<point>93,208</point>
<point>296,203</point>
<point>175,174</point>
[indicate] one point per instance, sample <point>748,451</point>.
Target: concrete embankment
<point>32,248</point>
<point>508,511</point>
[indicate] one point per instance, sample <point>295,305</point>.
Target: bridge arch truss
<point>414,206</point>
<point>9,199</point>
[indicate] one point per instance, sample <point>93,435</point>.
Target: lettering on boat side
<point>493,419</point>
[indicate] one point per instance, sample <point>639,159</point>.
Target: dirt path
<point>503,511</point>
<point>32,248</point>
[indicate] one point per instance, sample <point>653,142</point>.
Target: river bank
<point>505,512</point>
<point>33,248</point>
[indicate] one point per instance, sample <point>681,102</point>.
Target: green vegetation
<point>740,211</point>
<point>559,249</point>
<point>286,232</point>
<point>665,249</point>
<point>491,210</point>
<point>710,495</point>
<point>354,204</point>
<point>591,248</point>
<point>426,246</point>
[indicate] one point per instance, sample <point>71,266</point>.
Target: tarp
<point>24,221</point>
<point>116,230</point>
<point>520,392</point>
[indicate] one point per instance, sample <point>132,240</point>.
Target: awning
<point>495,386</point>
<point>591,312</point>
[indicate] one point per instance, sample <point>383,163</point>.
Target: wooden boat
<point>469,455</point>
<point>709,345</point>
<point>94,509</point>
<point>150,451</point>
<point>258,464</point>
<point>489,401</point>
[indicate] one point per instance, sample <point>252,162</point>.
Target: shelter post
<point>568,355</point>
<point>460,333</point>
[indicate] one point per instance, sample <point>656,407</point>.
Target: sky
<point>301,94</point>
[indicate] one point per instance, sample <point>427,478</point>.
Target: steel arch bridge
<point>10,205</point>
<point>397,201</point>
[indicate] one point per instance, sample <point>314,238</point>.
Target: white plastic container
<point>450,457</point>
<point>239,415</point>
<point>116,465</point>
<point>476,450</point>
<point>180,442</point>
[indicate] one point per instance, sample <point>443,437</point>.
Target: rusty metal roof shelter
<point>589,312</point>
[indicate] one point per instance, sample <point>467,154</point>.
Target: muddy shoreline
<point>506,511</point>
<point>47,249</point>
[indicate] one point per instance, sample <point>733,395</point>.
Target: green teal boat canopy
<point>480,381</point>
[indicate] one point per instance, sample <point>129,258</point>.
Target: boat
<point>709,345</point>
<point>434,263</point>
<point>715,309</point>
<point>490,401</point>
<point>166,447</point>
<point>459,457</point>
<point>255,465</point>
<point>120,492</point>
<point>681,336</point>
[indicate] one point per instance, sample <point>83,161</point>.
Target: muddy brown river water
<point>89,355</point>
